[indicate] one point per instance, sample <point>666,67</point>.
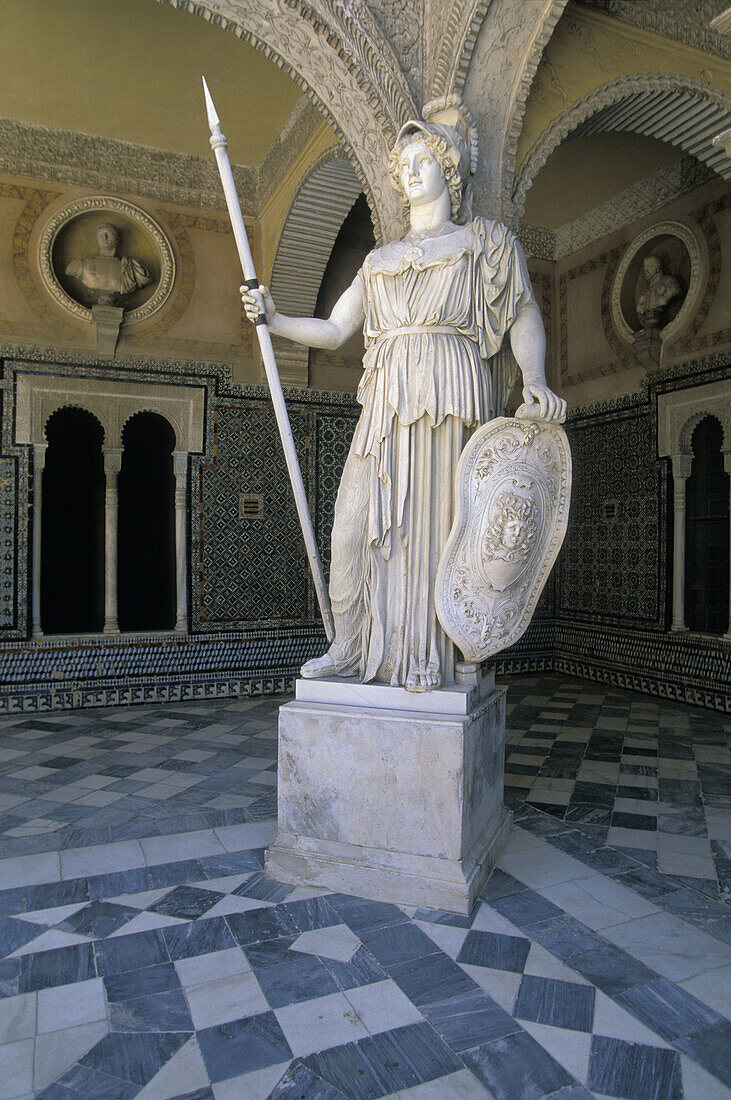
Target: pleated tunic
<point>436,312</point>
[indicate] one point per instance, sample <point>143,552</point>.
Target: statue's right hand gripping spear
<point>218,144</point>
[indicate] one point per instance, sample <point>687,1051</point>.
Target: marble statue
<point>659,290</point>
<point>435,308</point>
<point>108,274</point>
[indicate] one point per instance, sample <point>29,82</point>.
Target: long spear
<point>219,146</point>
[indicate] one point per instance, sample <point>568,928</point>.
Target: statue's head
<point>107,235</point>
<point>448,131</point>
<point>651,266</point>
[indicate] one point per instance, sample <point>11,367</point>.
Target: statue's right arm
<point>345,320</point>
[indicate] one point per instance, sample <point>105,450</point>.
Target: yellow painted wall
<point>130,70</point>
<point>588,49</point>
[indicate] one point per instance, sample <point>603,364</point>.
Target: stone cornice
<point>85,160</point>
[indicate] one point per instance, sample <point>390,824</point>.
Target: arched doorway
<point>707,533</point>
<point>146,561</point>
<point>72,525</point>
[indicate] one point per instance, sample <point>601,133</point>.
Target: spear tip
<point>213,119</point>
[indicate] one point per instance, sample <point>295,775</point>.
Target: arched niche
<point>676,109</point>
<point>146,540</point>
<point>306,242</point>
<point>679,414</point>
<point>72,524</point>
<point>707,532</point>
<point>113,402</point>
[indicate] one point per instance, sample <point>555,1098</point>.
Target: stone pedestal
<point>391,795</point>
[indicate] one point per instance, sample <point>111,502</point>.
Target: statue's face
<point>421,174</point>
<point>107,236</point>
<point>651,267</point>
<point>514,534</point>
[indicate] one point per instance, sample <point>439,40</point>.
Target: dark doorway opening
<point>72,525</point>
<point>146,563</point>
<point>707,533</point>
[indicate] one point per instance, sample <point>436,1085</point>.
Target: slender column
<point>39,461</point>
<point>180,466</point>
<point>681,473</point>
<point>112,466</point>
<point>727,468</point>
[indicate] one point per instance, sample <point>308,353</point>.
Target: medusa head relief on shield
<point>511,535</point>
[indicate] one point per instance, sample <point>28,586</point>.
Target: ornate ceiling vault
<point>341,59</point>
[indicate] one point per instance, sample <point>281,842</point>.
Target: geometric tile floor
<point>144,954</point>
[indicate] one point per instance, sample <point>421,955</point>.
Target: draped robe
<point>436,312</point>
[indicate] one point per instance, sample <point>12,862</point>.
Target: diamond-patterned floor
<point>143,953</point>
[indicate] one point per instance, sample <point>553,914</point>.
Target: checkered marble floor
<point>143,953</point>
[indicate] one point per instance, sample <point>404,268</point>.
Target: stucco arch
<point>323,201</point>
<point>650,98</point>
<point>496,71</point>
<point>342,61</point>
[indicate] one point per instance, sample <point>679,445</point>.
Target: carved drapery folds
<point>113,403</point>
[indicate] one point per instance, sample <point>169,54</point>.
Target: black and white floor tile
<point>143,953</point>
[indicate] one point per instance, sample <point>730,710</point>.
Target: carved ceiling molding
<point>606,96</point>
<point>403,23</point>
<point>687,21</point>
<point>70,157</point>
<point>457,43</point>
<point>499,71</point>
<point>337,54</point>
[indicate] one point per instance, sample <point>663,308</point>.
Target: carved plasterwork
<point>112,402</point>
<point>502,65</point>
<point>402,22</point>
<point>115,210</point>
<point>338,55</point>
<point>513,487</point>
<point>86,160</point>
<point>693,22</point>
<point>680,412</point>
<point>639,246</point>
<point>614,91</point>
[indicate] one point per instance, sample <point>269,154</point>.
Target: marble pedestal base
<point>391,802</point>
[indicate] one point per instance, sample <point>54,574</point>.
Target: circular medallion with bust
<point>435,309</point>
<point>111,276</point>
<point>659,290</point>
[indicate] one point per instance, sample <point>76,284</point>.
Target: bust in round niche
<point>656,283</point>
<point>102,260</point>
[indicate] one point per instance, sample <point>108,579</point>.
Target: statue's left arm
<point>508,310</point>
<point>528,341</point>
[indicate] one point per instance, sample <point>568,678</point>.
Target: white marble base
<point>399,805</point>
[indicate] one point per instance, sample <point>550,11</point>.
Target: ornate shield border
<point>527,462</point>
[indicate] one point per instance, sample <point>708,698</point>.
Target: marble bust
<point>106,273</point>
<point>449,319</point>
<point>659,290</point>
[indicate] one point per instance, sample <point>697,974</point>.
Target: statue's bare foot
<point>423,681</point>
<point>326,665</point>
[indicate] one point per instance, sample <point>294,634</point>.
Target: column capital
<point>112,459</point>
<point>682,465</point>
<point>180,465</point>
<point>39,455</point>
